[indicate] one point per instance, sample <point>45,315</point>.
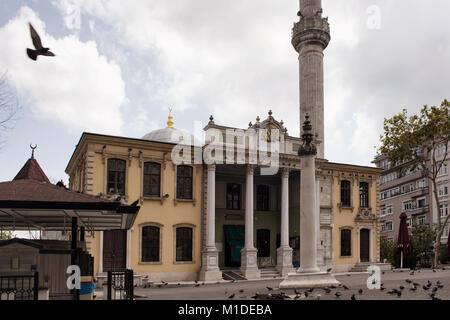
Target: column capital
<point>211,167</point>
<point>250,168</point>
<point>285,172</point>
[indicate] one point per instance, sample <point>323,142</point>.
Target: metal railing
<point>19,287</point>
<point>120,285</point>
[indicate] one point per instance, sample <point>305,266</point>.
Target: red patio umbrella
<point>403,238</point>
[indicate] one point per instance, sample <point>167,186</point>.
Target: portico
<point>247,219</point>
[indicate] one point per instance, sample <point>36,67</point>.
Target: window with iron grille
<point>262,198</point>
<point>263,242</point>
<point>364,195</point>
<point>152,179</point>
<point>116,176</point>
<point>184,182</point>
<point>346,242</point>
<point>150,244</point>
<point>233,196</point>
<point>184,244</point>
<point>345,193</point>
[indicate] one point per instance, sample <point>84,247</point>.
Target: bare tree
<point>9,107</point>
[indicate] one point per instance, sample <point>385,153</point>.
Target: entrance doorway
<point>234,242</point>
<point>114,249</point>
<point>364,245</point>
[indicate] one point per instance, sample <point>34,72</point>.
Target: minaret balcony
<point>311,29</point>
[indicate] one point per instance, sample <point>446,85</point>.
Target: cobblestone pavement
<point>244,290</point>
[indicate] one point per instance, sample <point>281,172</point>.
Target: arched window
<point>263,242</point>
<point>150,244</point>
<point>184,182</point>
<point>116,176</point>
<point>346,243</point>
<point>345,193</point>
<point>184,244</point>
<point>152,179</point>
<point>364,195</point>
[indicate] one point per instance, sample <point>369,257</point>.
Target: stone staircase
<point>266,273</point>
<point>361,267</point>
<point>269,273</point>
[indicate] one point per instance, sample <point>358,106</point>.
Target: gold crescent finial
<point>170,121</point>
<point>32,150</point>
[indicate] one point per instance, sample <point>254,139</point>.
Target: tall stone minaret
<point>310,37</point>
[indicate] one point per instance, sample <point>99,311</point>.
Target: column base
<point>308,280</point>
<point>210,265</point>
<point>249,263</point>
<point>284,261</point>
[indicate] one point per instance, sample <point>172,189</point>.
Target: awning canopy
<point>28,204</point>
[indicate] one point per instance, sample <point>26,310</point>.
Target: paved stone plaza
<point>244,290</point>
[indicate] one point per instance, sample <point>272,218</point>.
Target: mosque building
<point>203,220</point>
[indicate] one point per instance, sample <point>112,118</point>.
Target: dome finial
<point>170,121</point>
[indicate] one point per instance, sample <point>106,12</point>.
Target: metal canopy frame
<point>57,216</point>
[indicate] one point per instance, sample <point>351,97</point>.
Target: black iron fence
<point>120,285</point>
<point>19,287</point>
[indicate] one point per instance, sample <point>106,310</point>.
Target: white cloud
<point>79,87</point>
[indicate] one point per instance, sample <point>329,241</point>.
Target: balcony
<point>417,211</point>
<point>419,192</point>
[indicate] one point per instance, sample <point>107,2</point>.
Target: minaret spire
<point>310,37</point>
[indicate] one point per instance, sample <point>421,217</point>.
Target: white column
<point>284,252</point>
<point>210,257</point>
<point>249,261</point>
<point>211,208</point>
<point>249,196</point>
<point>308,229</point>
<point>100,258</point>
<point>285,208</point>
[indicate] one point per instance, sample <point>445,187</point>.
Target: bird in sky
<point>39,49</point>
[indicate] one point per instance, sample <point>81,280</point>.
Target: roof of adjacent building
<point>33,171</point>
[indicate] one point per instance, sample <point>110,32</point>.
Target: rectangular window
<point>262,198</point>
<point>345,193</point>
<point>443,210</point>
<point>409,222</point>
<point>383,227</point>
<point>407,205</point>
<point>422,220</point>
<point>421,203</point>
<point>233,196</point>
<point>389,210</point>
<point>152,179</point>
<point>346,242</point>
<point>364,195</point>
<point>184,244</point>
<point>116,176</point>
<point>421,184</point>
<point>184,182</point>
<point>389,226</point>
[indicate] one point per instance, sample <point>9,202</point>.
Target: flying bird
<point>39,49</point>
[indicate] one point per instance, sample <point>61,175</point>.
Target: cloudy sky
<point>121,64</point>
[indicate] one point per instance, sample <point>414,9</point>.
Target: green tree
<point>417,142</point>
<point>6,235</point>
<point>387,249</point>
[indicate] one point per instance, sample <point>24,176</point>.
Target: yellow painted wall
<point>345,218</point>
<point>168,214</point>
